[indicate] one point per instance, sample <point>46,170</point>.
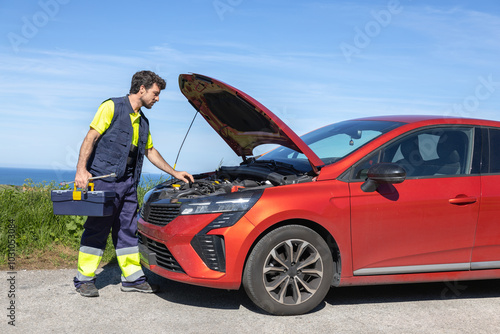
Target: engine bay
<point>229,180</point>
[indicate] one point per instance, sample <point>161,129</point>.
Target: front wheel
<point>289,271</point>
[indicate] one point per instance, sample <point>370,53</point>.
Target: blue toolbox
<point>83,202</point>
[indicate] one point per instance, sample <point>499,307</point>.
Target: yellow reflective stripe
<point>129,263</point>
<point>88,263</point>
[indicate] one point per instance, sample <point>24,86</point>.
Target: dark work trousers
<point>123,227</point>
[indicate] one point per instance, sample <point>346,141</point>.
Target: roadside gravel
<point>46,302</point>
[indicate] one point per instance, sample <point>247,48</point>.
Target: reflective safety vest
<point>113,147</point>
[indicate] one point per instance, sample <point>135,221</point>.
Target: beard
<point>148,105</point>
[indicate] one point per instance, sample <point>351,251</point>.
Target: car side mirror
<point>383,173</point>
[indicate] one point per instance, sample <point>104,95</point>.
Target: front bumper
<point>169,250</point>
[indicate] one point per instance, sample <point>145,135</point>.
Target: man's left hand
<point>183,176</point>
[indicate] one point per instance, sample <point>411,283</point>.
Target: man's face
<point>150,96</point>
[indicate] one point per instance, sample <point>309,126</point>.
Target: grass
<point>32,237</point>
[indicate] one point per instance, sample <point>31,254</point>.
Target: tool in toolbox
<point>92,178</point>
<point>83,202</point>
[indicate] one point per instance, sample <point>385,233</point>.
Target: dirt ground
<point>57,257</point>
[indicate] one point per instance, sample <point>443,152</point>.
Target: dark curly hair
<point>146,78</point>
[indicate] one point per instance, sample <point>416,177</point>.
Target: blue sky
<point>310,62</point>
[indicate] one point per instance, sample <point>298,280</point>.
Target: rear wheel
<point>289,271</point>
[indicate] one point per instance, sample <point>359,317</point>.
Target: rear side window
<point>493,152</point>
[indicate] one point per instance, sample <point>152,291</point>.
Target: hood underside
<point>239,119</point>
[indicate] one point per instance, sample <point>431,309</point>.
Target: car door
<point>426,223</point>
<point>486,252</point>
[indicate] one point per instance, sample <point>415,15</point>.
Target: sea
<point>20,176</point>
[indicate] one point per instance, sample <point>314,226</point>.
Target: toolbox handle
<point>77,195</point>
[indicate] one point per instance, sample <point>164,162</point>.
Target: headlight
<point>228,203</point>
<point>233,206</point>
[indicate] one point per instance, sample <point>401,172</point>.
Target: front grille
<point>164,258</point>
<point>160,213</point>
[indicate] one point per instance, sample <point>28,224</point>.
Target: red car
<point>376,200</point>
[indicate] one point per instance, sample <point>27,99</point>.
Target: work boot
<point>88,289</point>
<point>143,287</point>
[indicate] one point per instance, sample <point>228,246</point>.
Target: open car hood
<point>240,120</point>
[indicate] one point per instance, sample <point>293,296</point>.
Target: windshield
<point>333,142</point>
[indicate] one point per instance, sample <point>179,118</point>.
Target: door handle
<point>463,200</point>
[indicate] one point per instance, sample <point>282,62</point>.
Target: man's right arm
<point>82,174</point>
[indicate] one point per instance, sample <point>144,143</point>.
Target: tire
<point>289,271</point>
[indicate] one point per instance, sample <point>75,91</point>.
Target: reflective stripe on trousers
<point>88,261</point>
<point>130,263</point>
<point>128,260</point>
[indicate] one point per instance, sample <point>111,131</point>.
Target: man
<point>117,142</point>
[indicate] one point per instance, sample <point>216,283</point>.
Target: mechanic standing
<point>117,142</point>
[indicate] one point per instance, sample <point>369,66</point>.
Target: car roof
<point>431,119</point>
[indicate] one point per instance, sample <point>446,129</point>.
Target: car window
<point>493,152</point>
<point>335,146</point>
<point>431,152</point>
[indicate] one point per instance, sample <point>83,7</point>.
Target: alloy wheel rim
<point>293,272</point>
